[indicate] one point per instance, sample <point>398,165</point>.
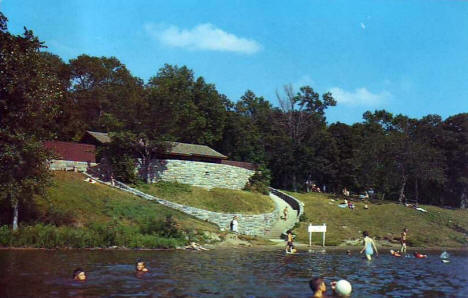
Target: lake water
<point>224,272</point>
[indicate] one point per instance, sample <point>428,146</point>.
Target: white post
<point>323,238</point>
<point>310,234</point>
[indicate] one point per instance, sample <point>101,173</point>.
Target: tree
<point>29,99</point>
<point>302,120</point>
<point>454,142</point>
<point>194,111</point>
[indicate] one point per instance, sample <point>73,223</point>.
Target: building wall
<point>72,151</point>
<point>69,165</point>
<point>202,174</point>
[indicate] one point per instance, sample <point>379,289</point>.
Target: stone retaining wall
<point>202,174</point>
<point>255,224</point>
<point>69,165</point>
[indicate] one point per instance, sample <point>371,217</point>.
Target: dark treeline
<point>42,97</point>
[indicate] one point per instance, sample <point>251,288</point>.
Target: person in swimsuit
<point>395,253</point>
<point>79,274</point>
<point>369,246</point>
<point>290,245</point>
<point>140,266</point>
<point>403,240</point>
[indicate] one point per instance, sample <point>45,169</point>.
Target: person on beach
<point>140,266</point>
<point>234,225</point>
<point>285,213</point>
<point>403,240</point>
<point>369,246</point>
<point>195,246</point>
<point>79,274</point>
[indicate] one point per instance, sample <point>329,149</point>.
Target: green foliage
<point>94,235</point>
<point>260,181</point>
<point>303,218</point>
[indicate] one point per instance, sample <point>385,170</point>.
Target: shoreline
<point>221,246</point>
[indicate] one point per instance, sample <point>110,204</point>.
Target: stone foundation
<point>69,165</point>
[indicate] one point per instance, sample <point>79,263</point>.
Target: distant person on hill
<point>369,246</point>
<point>79,274</point>
<point>234,225</point>
<point>345,192</point>
<point>404,234</point>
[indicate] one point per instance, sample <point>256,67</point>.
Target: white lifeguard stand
<point>317,229</point>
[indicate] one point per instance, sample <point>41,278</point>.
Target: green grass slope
<point>217,199</point>
<point>384,221</point>
<point>79,214</point>
<point>84,202</point>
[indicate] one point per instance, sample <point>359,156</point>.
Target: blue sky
<point>405,56</point>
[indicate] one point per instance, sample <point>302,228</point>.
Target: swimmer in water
<point>369,246</point>
<point>419,255</point>
<point>140,266</point>
<point>319,288</point>
<point>395,253</point>
<point>79,274</point>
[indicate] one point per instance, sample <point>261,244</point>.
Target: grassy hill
<point>80,214</point>
<point>384,221</point>
<point>217,199</point>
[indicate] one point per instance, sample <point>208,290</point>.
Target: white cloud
<point>202,37</point>
<point>363,26</point>
<point>360,97</point>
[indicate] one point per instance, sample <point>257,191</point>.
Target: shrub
<point>260,181</point>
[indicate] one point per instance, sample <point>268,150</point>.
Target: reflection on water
<point>224,272</point>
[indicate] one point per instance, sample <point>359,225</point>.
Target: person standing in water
<point>369,246</point>
<point>290,244</point>
<point>403,240</point>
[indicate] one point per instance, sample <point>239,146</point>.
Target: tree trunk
<point>416,191</point>
<point>402,190</point>
<point>294,184</point>
<point>463,200</point>
<point>15,215</point>
<point>148,170</point>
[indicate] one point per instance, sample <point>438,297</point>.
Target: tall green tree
<point>30,95</point>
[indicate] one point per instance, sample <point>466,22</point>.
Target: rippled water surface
<point>224,272</point>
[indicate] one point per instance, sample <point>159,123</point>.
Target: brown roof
<point>101,137</point>
<point>194,150</point>
<point>176,148</point>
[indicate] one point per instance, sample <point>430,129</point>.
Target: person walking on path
<point>369,246</point>
<point>285,213</point>
<point>234,225</point>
